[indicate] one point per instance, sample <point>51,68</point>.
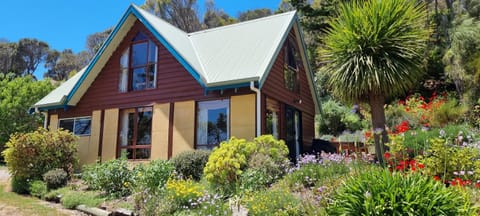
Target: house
<point>153,91</point>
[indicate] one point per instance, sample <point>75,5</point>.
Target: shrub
<point>55,178</point>
<point>38,189</point>
<point>152,176</point>
<point>112,177</point>
<point>190,164</point>
<point>30,155</point>
<point>448,112</point>
<point>54,194</point>
<point>379,192</point>
<point>74,198</point>
<point>443,159</point>
<point>182,192</point>
<point>337,118</point>
<point>20,185</point>
<point>273,202</point>
<point>227,162</point>
<point>315,174</point>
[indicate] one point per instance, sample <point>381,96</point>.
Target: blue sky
<point>66,24</point>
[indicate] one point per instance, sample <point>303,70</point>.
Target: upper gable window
<point>290,73</point>
<point>139,65</point>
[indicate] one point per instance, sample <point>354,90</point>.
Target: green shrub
<point>273,202</point>
<point>112,177</point>
<point>54,194</point>
<point>190,164</point>
<point>448,112</point>
<point>20,185</point>
<point>380,192</point>
<point>38,189</point>
<point>152,176</point>
<point>443,158</point>
<point>314,174</point>
<point>30,155</point>
<point>74,198</point>
<point>337,118</point>
<point>55,178</point>
<point>227,163</point>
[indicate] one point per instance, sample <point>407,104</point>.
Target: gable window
<point>212,123</point>
<point>138,65</point>
<point>78,126</point>
<point>136,132</point>
<point>290,72</point>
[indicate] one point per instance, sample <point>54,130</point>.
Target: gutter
<point>258,108</point>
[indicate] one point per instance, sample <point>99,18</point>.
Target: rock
<point>122,212</point>
<point>93,211</point>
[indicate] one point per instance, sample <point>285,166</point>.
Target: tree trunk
<point>377,102</point>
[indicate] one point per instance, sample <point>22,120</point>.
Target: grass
<point>22,205</point>
<point>25,205</point>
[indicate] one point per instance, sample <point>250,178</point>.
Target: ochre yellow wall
<point>183,127</point>
<point>110,134</point>
<point>94,141</point>
<point>160,123</point>
<point>53,122</point>
<point>82,150</point>
<point>242,116</point>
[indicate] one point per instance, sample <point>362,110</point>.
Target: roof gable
<point>223,57</point>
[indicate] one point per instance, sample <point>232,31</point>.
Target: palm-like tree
<point>374,50</point>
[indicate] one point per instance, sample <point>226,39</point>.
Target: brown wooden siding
<point>274,86</point>
<point>174,83</point>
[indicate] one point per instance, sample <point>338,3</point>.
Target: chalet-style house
<point>153,91</point>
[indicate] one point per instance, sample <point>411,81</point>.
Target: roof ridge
<point>242,23</point>
<point>159,18</point>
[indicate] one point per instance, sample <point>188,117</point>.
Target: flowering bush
<point>153,176</point>
<point>30,155</point>
<point>450,163</point>
<point>273,202</point>
<point>228,162</point>
<point>183,192</point>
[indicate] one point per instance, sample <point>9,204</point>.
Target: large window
<point>212,123</point>
<point>136,132</point>
<point>290,74</point>
<point>139,65</point>
<point>78,126</point>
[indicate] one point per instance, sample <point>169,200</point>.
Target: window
<point>136,132</point>
<point>78,126</point>
<point>212,123</point>
<point>138,65</point>
<point>291,67</point>
<point>272,117</point>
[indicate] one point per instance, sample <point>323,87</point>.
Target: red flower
<point>477,185</point>
<point>421,166</point>
<point>387,155</point>
<point>436,178</point>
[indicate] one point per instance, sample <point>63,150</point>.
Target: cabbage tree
<point>374,50</point>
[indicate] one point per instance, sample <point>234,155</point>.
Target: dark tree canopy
<point>254,14</point>
<point>180,13</point>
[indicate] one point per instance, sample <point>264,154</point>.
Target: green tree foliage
<point>95,41</point>
<point>374,50</point>
<point>16,97</point>
<point>60,64</point>
<point>254,14</point>
<point>180,13</point>
<point>31,52</point>
<point>214,17</point>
